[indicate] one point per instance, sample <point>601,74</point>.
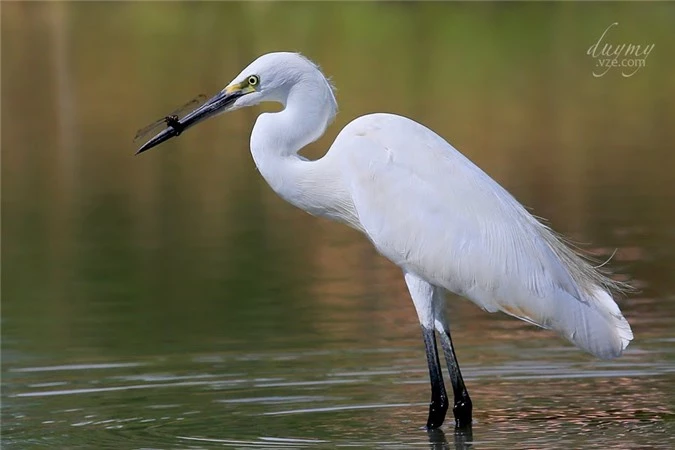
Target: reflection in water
<point>463,439</point>
<point>174,301</point>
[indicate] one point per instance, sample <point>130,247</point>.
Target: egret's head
<point>274,77</point>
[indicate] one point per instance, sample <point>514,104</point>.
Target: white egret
<point>425,207</point>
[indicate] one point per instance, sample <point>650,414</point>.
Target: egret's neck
<point>313,186</point>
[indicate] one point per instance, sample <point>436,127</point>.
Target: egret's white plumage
<point>425,207</point>
<point>434,213</point>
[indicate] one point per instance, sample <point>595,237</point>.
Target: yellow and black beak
<point>214,106</point>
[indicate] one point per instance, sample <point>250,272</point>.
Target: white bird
<point>425,207</point>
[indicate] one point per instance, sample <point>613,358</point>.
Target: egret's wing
<point>431,211</point>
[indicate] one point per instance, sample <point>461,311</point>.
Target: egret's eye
<point>253,80</point>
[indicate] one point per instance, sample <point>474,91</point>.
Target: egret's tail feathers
<point>606,333</point>
<point>587,315</point>
<point>594,324</point>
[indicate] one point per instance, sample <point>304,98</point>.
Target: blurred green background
<point>185,251</point>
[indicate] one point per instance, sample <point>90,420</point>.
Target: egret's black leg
<point>462,407</point>
<point>439,398</point>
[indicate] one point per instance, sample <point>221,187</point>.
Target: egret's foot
<point>437,410</point>
<point>462,411</point>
